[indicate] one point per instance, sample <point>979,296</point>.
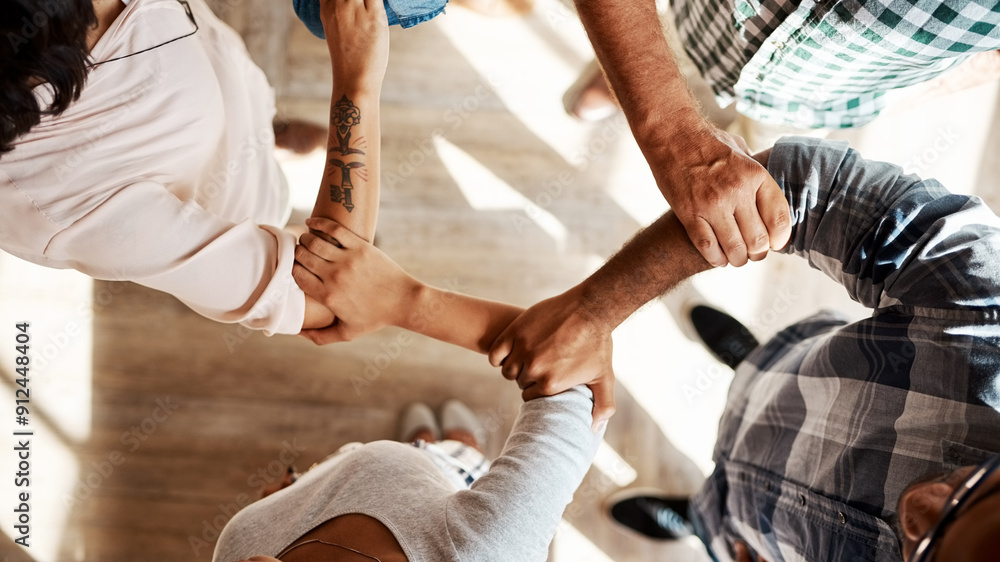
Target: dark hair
<point>43,41</point>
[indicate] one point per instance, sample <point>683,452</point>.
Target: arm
<point>566,340</point>
<point>229,272</point>
<point>368,291</point>
<point>728,204</point>
<point>515,508</point>
<point>890,239</point>
<point>358,40</point>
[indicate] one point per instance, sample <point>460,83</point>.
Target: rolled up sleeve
<point>889,238</point>
<point>229,272</point>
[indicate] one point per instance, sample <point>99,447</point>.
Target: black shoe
<point>727,339</point>
<point>653,516</point>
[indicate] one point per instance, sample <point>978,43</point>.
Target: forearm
<point>349,191</point>
<point>528,487</point>
<point>650,264</point>
<point>458,319</point>
<point>641,69</point>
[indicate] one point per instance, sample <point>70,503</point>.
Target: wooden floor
<point>154,424</point>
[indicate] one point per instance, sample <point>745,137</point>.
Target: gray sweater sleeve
<point>511,513</point>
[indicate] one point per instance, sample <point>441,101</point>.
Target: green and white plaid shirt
<point>828,63</point>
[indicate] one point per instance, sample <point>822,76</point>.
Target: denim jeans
<point>406,13</point>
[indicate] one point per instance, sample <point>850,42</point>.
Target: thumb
<point>501,348</point>
<point>604,402</point>
<point>774,212</point>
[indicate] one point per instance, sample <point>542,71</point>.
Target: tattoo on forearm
<point>342,193</point>
<point>344,116</point>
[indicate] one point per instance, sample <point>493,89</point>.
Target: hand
<point>363,287</point>
<point>729,205</point>
<point>357,34</point>
<point>554,346</point>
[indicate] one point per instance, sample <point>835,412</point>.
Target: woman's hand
<point>361,285</point>
<point>556,345</point>
<point>357,34</point>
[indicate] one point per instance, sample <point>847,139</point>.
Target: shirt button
<point>843,520</point>
<point>778,45</point>
<point>768,486</point>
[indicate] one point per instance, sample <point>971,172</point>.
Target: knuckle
<point>780,221</point>
<point>759,241</point>
<point>312,244</point>
<point>704,244</point>
<point>548,387</point>
<point>735,245</point>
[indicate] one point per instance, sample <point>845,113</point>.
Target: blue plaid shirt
<point>827,423</point>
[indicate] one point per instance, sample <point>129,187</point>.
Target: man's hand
<point>556,345</point>
<point>729,205</point>
<point>357,34</point>
<point>362,286</point>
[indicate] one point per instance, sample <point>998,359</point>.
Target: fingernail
<point>600,426</point>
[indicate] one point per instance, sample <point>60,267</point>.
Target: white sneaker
<point>456,415</point>
<point>415,417</point>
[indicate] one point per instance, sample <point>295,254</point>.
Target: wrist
<point>671,137</point>
<point>593,308</point>
<point>415,297</point>
<point>357,89</point>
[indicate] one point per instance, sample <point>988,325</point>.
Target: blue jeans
<point>406,13</point>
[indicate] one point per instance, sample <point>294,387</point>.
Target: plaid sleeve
<point>890,239</point>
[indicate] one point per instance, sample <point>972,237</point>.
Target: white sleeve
<point>511,513</point>
<point>229,272</point>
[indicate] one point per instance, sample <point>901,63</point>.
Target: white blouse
<point>162,173</point>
